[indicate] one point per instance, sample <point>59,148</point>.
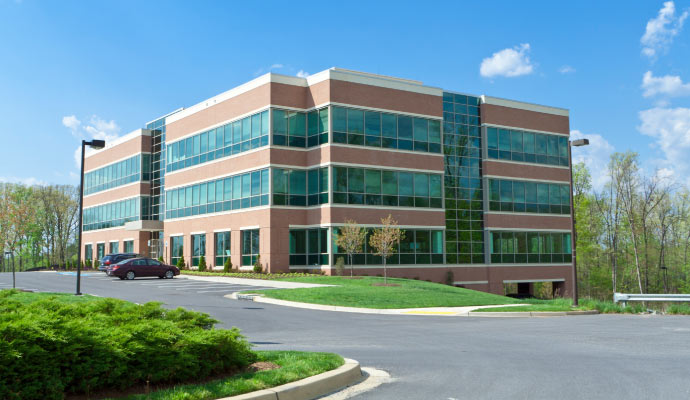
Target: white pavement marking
<point>228,290</point>
<point>209,287</point>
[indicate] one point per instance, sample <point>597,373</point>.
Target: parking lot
<point>429,357</point>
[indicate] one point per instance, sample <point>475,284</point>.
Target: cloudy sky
<point>72,69</point>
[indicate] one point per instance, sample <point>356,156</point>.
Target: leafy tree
<point>384,240</point>
<point>350,239</point>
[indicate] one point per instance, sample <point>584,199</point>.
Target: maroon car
<point>138,267</point>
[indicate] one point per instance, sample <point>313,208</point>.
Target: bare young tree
<point>351,240</point>
<point>384,240</point>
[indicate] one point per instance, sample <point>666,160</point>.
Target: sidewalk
<point>252,282</point>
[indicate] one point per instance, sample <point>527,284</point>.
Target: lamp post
<point>95,144</point>
<point>573,236</point>
<point>8,255</point>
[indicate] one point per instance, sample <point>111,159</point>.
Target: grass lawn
<point>361,293</point>
<point>30,297</point>
<point>295,365</point>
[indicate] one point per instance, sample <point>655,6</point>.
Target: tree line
<point>38,225</point>
<point>633,234</point>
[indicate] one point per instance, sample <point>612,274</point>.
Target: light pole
<point>573,236</point>
<point>8,255</point>
<point>96,144</point>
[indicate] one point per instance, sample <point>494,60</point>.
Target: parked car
<point>138,267</point>
<point>114,259</point>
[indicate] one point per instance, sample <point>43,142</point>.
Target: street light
<point>573,236</point>
<point>95,144</point>
<point>9,254</point>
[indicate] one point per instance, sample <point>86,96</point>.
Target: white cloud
<point>30,181</point>
<point>667,85</point>
<point>661,30</point>
<point>566,69</point>
<point>302,74</point>
<point>96,128</point>
<point>275,66</point>
<point>596,156</point>
<point>670,127</point>
<point>508,62</point>
<point>71,122</point>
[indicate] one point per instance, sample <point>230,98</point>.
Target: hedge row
<point>51,347</point>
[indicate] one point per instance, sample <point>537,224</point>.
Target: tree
<point>202,263</point>
<point>227,266</point>
<point>384,240</point>
<point>351,240</point>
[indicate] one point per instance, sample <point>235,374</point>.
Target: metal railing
<point>626,297</point>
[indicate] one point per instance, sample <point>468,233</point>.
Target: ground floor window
<point>114,247</point>
<point>250,246</point>
<point>530,247</point>
<point>176,248</point>
<point>88,253</point>
<point>309,246</point>
<point>222,247</point>
<point>198,248</point>
<point>419,246</point>
<point>129,246</point>
<point>100,251</point>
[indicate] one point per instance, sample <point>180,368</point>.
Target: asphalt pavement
<point>439,357</point>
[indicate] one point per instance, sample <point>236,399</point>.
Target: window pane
<point>405,184</point>
<point>279,122</point>
<point>373,181</point>
<point>390,183</point>
<point>339,119</point>
<point>297,124</point>
<point>373,123</point>
<point>421,129</point>
<point>421,185</point>
<point>355,177</point>
<point>355,121</point>
<point>404,127</point>
<point>389,122</point>
<point>298,182</point>
<point>339,179</point>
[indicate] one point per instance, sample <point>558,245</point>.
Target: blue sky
<point>100,69</point>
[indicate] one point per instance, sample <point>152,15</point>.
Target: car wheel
<point>130,275</point>
<point>169,274</point>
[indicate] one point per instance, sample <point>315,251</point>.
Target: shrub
<point>57,345</point>
<point>180,263</point>
<point>202,264</point>
<point>257,265</point>
<point>160,258</point>
<point>340,266</point>
<point>227,266</point>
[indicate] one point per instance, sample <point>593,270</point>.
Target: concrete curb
<point>309,388</point>
<point>523,314</point>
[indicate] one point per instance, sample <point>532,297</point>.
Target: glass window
<point>339,119</point>
<point>222,248</point>
<point>389,125</point>
<point>373,123</point>
<point>355,121</point>
<point>373,181</point>
<point>421,129</point>
<point>250,247</point>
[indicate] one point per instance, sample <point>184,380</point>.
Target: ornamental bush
<point>55,345</point>
<point>180,263</point>
<point>227,267</point>
<point>202,264</point>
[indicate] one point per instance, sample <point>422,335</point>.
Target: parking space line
<point>205,287</point>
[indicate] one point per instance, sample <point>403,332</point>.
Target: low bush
<point>52,345</point>
<point>227,267</point>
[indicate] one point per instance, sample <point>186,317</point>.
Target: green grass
<point>536,305</point>
<point>295,365</point>
<point>30,297</point>
<point>361,293</point>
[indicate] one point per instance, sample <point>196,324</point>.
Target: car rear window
<point>123,261</point>
<point>106,258</point>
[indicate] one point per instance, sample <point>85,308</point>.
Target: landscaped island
<point>54,346</point>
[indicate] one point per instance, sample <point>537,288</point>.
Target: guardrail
<point>626,297</point>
